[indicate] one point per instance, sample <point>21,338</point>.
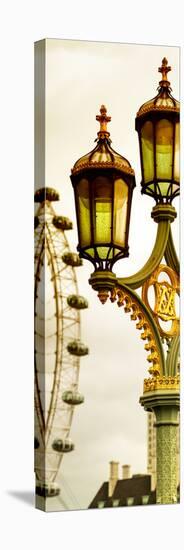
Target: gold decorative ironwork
<point>165,298</point>
<point>103,119</point>
<point>164,100</point>
<point>106,164</point>
<point>164,69</point>
<point>103,294</point>
<point>136,314</point>
<point>165,294</point>
<point>151,107</point>
<point>162,383</point>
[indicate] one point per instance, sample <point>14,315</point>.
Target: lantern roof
<point>103,156</point>
<point>163,101</point>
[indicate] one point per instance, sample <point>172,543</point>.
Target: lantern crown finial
<point>164,69</point>
<point>103,119</point>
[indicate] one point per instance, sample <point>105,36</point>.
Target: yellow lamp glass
<point>84,212</point>
<point>147,142</point>
<point>120,211</point>
<point>102,215</point>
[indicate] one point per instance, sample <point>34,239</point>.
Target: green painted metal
<point>166,426</point>
<point>137,280</point>
<point>166,464</point>
<point>151,322</point>
<point>172,357</point>
<point>170,254</point>
<point>166,408</point>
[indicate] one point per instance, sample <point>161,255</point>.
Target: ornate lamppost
<point>103,183</point>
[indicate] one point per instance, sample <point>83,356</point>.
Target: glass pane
<point>163,186</point>
<point>164,148</point>
<point>130,501</point>
<point>120,211</point>
<point>82,191</point>
<point>147,151</point>
<point>91,252</point>
<point>177,153</point>
<point>102,210</point>
<point>103,252</point>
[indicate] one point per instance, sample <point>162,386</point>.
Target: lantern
<point>157,124</point>
<point>103,182</point>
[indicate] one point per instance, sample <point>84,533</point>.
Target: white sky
<point>80,76</point>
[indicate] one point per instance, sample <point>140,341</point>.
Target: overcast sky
<point>80,76</point>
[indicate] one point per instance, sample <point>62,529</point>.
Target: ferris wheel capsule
<point>63,445</point>
<point>63,223</point>
<point>47,489</point>
<point>72,397</point>
<point>77,348</point>
<point>77,302</point>
<point>72,258</point>
<point>46,194</point>
<point>36,443</point>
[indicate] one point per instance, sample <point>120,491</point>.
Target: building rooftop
<point>133,491</point>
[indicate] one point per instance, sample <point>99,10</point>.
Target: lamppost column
<point>165,404</point>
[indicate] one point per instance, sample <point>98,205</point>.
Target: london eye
<point>58,346</point>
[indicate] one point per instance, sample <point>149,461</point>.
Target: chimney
<point>113,478</point>
<point>126,471</point>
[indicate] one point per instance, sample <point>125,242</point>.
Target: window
<point>145,499</point>
<point>130,501</point>
<point>101,504</point>
<point>115,502</point>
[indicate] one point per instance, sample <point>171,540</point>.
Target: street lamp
<point>103,183</point>
<point>157,124</point>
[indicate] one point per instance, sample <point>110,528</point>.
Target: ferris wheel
<point>58,347</point>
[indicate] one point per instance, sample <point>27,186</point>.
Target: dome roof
<point>103,156</point>
<point>163,101</point>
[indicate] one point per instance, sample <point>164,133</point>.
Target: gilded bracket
<point>133,304</point>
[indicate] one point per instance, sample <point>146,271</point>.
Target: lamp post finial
<point>103,119</point>
<point>164,69</point>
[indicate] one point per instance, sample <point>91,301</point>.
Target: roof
<point>103,156</point>
<point>136,487</point>
<point>163,101</point>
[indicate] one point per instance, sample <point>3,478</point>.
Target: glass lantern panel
<point>102,218</point>
<point>164,149</point>
<point>91,252</point>
<point>82,193</point>
<point>147,151</point>
<point>164,186</point>
<point>103,252</point>
<point>177,153</point>
<point>120,211</point>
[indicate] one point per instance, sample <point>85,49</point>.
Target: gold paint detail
<point>119,165</point>
<point>103,295</point>
<point>164,69</point>
<point>137,314</point>
<point>161,383</point>
<point>151,107</point>
<point>103,119</point>
<point>165,295</point>
<point>165,306</point>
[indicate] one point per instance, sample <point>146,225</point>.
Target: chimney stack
<point>113,478</point>
<point>126,471</point>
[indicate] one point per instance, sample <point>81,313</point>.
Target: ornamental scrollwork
<point>165,299</point>
<point>137,313</point>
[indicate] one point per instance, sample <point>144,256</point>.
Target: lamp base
<point>102,282</point>
<point>163,212</point>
